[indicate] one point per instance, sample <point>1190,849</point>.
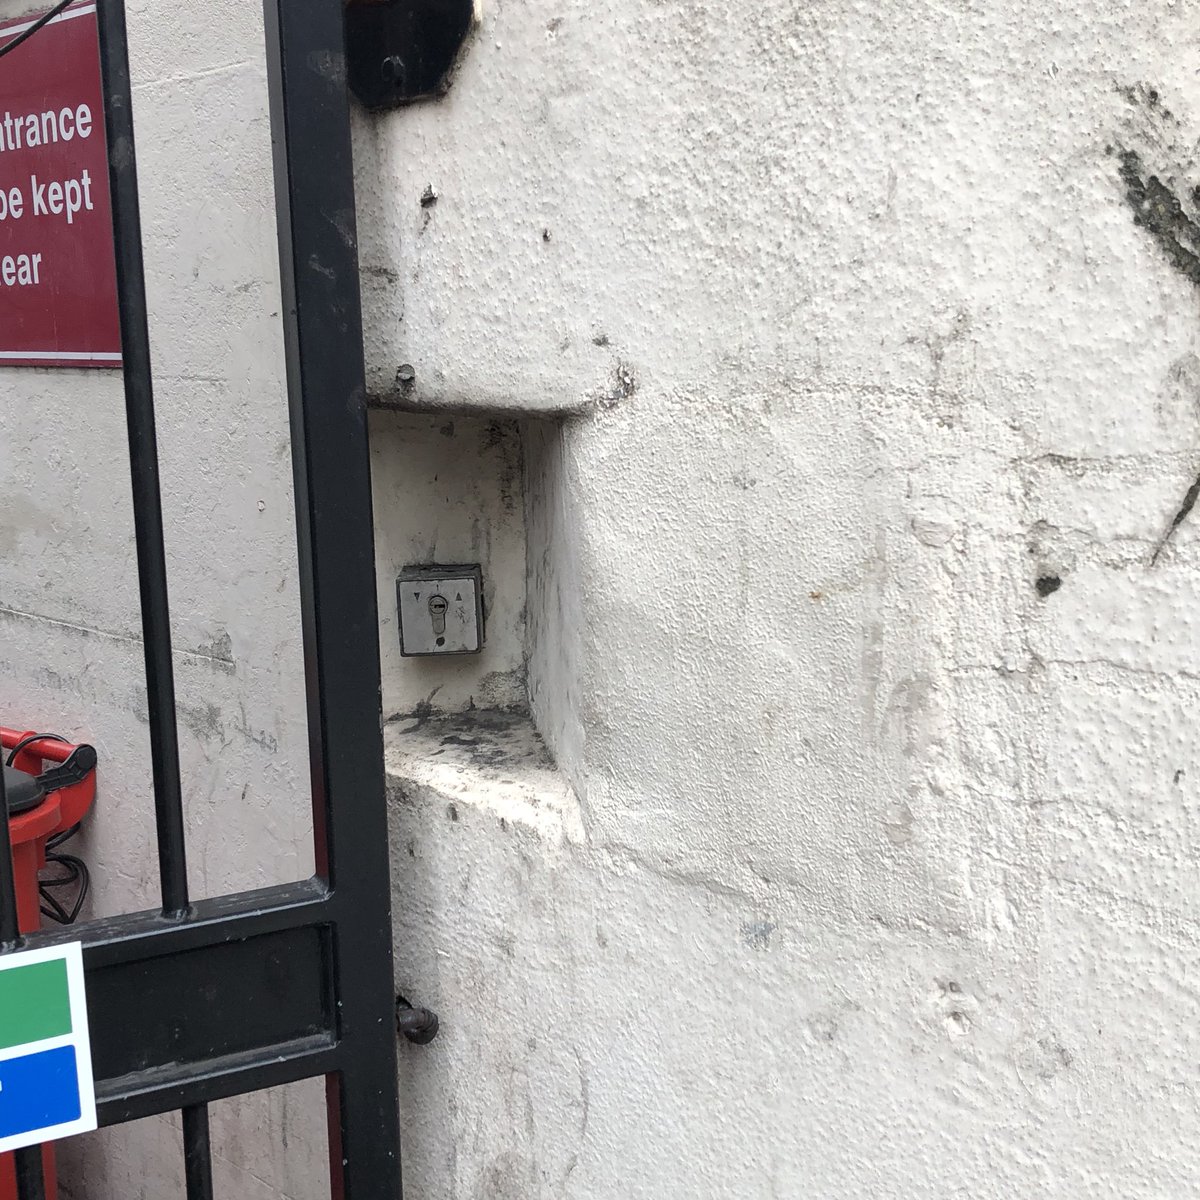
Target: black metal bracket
<point>399,51</point>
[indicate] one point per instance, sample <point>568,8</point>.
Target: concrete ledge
<point>500,406</point>
<point>491,761</point>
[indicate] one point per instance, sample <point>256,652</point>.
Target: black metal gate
<point>306,967</point>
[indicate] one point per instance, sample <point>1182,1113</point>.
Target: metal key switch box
<point>440,610</point>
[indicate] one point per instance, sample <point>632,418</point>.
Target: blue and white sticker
<point>46,1087</point>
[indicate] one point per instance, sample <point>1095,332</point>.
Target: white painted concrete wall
<point>886,886</point>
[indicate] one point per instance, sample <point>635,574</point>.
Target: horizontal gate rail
<point>261,963</point>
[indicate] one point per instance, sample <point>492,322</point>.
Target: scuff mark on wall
<point>938,343</point>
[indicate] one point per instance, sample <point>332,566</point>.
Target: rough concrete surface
<point>847,624</point>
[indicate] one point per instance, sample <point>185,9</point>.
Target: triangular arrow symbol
<point>459,596</point>
<point>416,595</point>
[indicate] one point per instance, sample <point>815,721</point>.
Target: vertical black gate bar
<point>147,513</point>
<point>197,1153</point>
<point>30,1172</point>
<point>143,455</point>
<point>314,197</point>
<point>10,928</point>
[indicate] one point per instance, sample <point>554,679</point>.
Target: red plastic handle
<point>62,808</point>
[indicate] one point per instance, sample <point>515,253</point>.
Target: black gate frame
<point>304,969</point>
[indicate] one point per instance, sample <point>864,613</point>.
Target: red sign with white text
<point>58,288</point>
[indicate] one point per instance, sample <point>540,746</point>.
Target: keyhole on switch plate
<point>437,614</point>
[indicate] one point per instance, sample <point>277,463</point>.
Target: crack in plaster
<point>219,659</point>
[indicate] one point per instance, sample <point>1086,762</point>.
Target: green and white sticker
<point>46,1086</point>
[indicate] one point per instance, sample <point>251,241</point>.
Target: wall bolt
<point>418,1025</point>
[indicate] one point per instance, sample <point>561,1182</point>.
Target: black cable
<point>53,843</point>
<point>51,908</point>
<point>26,34</point>
<point>75,874</point>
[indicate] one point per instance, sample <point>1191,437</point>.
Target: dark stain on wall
<point>1154,196</point>
<point>1157,209</point>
